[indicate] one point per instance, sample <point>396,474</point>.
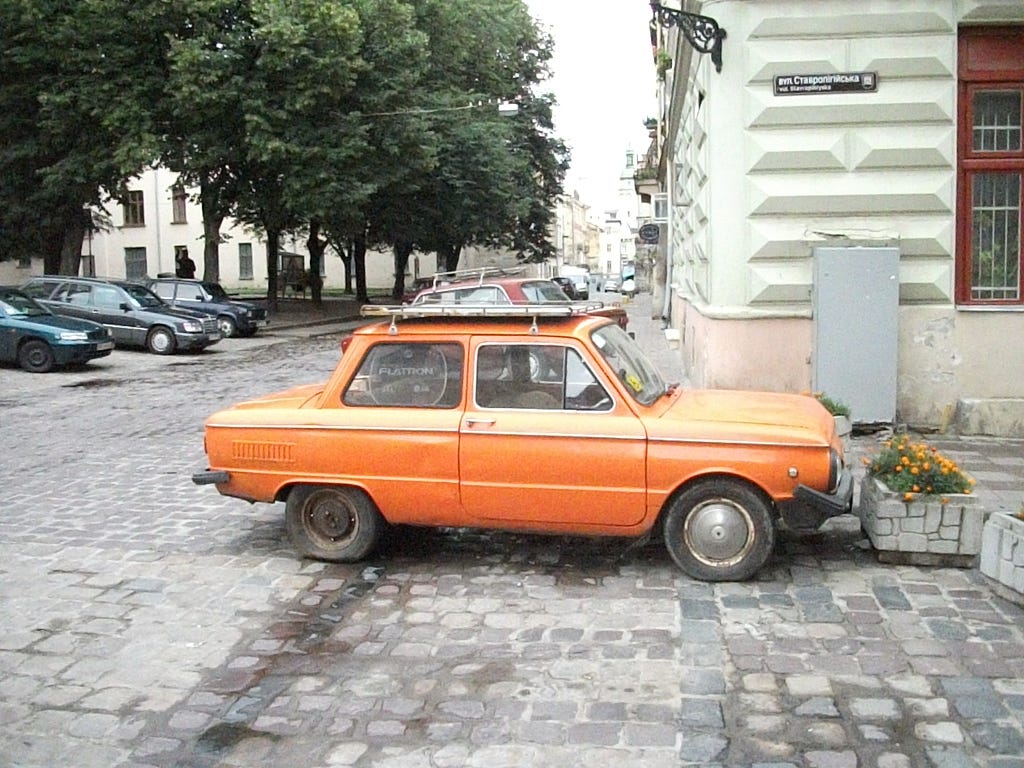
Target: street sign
<point>836,82</point>
<point>649,233</point>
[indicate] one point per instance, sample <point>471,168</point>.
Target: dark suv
<point>134,314</point>
<point>235,318</point>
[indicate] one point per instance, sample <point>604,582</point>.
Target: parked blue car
<point>39,341</point>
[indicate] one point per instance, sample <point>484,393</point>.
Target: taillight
<point>345,343</point>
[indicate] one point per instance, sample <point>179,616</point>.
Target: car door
<point>114,308</point>
<point>545,441</point>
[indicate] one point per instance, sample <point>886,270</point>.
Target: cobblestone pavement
<point>149,622</point>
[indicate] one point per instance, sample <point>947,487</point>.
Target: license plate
<point>261,323</point>
<point>105,345</point>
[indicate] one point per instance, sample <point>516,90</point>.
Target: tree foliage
<point>354,122</point>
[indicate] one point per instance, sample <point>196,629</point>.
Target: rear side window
<point>40,289</point>
<point>79,294</point>
<point>408,375</point>
<point>164,290</point>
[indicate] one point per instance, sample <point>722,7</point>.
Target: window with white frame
<point>661,206</point>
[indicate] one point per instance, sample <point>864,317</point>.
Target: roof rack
<point>552,309</point>
<point>531,311</point>
<point>480,273</point>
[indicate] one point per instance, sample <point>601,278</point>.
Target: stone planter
<point>923,531</point>
<point>1002,555</point>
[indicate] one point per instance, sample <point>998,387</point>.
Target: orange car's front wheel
<point>337,524</point>
<point>719,530</point>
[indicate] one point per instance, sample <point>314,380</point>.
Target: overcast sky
<point>604,80</point>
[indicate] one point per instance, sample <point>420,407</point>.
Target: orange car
<point>531,418</point>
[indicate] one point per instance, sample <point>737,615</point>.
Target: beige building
<point>844,204</point>
<point>142,237</point>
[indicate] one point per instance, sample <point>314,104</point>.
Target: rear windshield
<point>543,291</point>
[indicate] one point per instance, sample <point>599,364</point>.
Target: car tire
<point>720,530</point>
<point>334,523</point>
<point>161,341</point>
<point>35,356</point>
<point>228,326</point>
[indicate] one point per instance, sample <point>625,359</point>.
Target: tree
<point>75,114</point>
<point>495,179</point>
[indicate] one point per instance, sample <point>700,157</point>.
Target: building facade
<point>844,204</point>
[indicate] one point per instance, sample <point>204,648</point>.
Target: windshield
<point>142,295</point>
<point>625,357</point>
<point>13,303</point>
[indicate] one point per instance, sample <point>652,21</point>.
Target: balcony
<point>645,179</point>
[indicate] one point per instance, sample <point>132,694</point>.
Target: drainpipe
<point>666,310</point>
<point>156,216</point>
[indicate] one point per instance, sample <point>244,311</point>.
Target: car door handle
<point>474,422</point>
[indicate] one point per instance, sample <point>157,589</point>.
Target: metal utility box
<point>856,327</point>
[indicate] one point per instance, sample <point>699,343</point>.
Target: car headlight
<point>835,470</point>
<point>74,336</point>
<point>192,326</point>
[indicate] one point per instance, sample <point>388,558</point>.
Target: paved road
<point>149,622</point>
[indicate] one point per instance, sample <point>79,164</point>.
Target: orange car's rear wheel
<point>719,530</point>
<point>338,524</point>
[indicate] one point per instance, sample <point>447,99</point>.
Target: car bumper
<point>211,477</point>
<point>196,340</point>
<point>67,354</point>
<point>809,508</point>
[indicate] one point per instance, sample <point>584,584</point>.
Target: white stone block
<point>913,525</point>
<point>913,542</point>
<point>990,549</point>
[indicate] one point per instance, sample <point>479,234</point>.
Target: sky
<point>605,84</point>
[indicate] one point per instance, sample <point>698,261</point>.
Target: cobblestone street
<point>148,622</point>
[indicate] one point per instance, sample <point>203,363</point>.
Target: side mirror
<point>125,306</point>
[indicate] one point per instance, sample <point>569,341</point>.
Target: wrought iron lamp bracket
<point>702,32</point>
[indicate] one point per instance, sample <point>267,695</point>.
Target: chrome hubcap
<point>718,531</point>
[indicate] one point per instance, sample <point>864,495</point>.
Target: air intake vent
<point>253,451</point>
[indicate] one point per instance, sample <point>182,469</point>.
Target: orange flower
<point>908,496</point>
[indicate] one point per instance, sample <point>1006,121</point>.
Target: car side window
<point>164,290</point>
<point>536,377</point>
<point>106,296</point>
<point>78,294</point>
<point>408,375</point>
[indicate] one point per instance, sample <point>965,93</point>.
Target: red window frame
<point>990,58</point>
